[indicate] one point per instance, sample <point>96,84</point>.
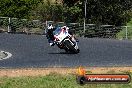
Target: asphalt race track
<point>34,51</point>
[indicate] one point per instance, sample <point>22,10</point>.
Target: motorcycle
<point>65,41</point>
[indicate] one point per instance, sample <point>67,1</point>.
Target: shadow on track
<point>61,53</point>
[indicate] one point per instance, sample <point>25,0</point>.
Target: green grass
<point>122,33</point>
<point>52,80</point>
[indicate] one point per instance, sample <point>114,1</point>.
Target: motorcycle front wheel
<point>70,47</point>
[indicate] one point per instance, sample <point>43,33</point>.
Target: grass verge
<point>53,80</point>
<point>122,33</point>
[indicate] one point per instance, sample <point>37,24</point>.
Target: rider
<point>50,35</point>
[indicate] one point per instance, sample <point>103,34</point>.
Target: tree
<point>48,10</point>
<point>72,14</point>
<point>57,12</point>
<point>17,8</point>
<point>114,12</point>
<point>70,3</point>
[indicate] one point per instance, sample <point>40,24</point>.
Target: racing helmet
<point>50,26</point>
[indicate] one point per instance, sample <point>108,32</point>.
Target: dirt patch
<point>64,71</point>
<point>104,70</point>
<point>34,71</point>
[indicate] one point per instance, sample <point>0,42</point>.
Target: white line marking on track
<point>8,55</point>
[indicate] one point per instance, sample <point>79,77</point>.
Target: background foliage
<point>111,12</point>
<point>17,8</point>
<point>115,12</point>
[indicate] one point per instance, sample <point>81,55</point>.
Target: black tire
<point>81,80</point>
<point>61,47</point>
<point>78,50</point>
<point>67,51</point>
<point>70,47</point>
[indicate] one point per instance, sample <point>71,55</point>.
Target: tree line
<point>113,12</point>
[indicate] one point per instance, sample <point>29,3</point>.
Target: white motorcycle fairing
<point>64,41</point>
<point>61,35</point>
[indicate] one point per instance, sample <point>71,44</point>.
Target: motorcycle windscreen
<point>60,34</point>
<point>57,31</point>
